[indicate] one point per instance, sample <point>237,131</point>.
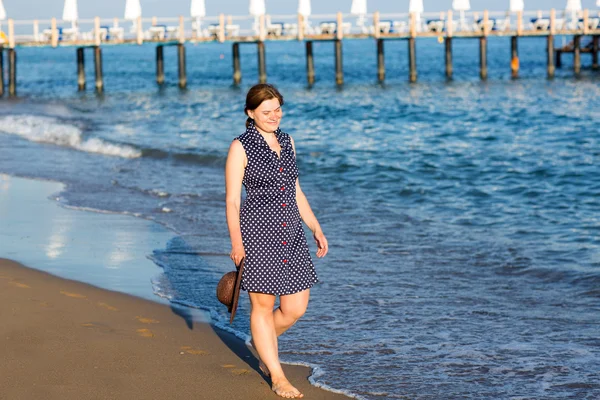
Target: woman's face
<point>267,116</point>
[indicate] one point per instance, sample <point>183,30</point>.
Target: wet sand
<point>63,339</point>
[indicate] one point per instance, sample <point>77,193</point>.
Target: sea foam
<point>43,129</point>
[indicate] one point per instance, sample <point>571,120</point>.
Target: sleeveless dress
<point>277,256</point>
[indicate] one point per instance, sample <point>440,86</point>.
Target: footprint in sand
<point>20,285</point>
<point>191,350</point>
<point>144,320</point>
<point>236,371</point>
<point>107,306</point>
<point>145,332</point>
<point>74,295</point>
<point>98,327</point>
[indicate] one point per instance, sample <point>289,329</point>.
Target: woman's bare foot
<point>261,365</point>
<point>284,388</point>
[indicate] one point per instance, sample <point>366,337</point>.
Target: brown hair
<point>259,93</point>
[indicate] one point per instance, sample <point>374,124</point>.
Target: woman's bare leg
<point>291,308</point>
<point>264,336</point>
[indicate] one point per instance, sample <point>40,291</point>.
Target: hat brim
<point>236,290</point>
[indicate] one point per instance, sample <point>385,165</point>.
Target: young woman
<point>267,230</point>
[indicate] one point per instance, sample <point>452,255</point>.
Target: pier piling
<point>12,72</point>
<point>514,57</point>
<point>160,65</point>
<point>577,54</point>
<point>262,67</point>
<point>80,69</point>
<point>483,58</point>
<point>237,71</point>
<point>595,50</point>
<point>181,63</point>
<point>310,64</point>
<point>1,71</point>
<point>380,61</point>
<point>412,60</point>
<point>448,45</point>
<point>339,69</point>
<point>98,69</point>
<point>550,51</point>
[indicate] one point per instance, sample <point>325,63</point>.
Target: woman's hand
<point>237,253</point>
<point>321,243</point>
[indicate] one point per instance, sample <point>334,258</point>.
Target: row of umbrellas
<point>133,8</point>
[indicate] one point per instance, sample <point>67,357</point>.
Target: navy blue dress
<point>277,257</point>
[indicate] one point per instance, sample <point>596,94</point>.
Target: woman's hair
<point>259,93</point>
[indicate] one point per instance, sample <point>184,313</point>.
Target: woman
<point>267,230</point>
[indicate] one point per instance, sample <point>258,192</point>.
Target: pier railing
<point>95,31</point>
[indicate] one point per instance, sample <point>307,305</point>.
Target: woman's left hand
<point>321,243</point>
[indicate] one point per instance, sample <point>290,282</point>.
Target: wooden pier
<point>442,26</point>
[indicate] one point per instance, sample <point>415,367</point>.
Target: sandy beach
<point>63,339</point>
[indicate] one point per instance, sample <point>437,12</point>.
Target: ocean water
<point>463,217</point>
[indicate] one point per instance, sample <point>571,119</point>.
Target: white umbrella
<point>2,14</point>
<point>517,5</point>
<point>416,6</point>
<point>198,11</point>
<point>461,6</point>
<point>359,7</point>
<point>133,10</point>
<point>573,6</point>
<point>597,3</point>
<point>304,8</point>
<point>70,12</point>
<point>257,8</point>
<point>3,11</point>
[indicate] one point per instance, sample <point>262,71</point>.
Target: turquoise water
<point>463,216</point>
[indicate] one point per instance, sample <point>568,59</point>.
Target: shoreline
<point>206,330</point>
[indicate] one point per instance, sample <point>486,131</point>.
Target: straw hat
<point>228,289</point>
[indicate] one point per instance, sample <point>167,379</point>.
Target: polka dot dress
<point>277,257</point>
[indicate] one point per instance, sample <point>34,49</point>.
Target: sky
<point>45,9</point>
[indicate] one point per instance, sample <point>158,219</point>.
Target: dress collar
<point>260,140</point>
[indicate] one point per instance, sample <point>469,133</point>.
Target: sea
<point>463,216</point>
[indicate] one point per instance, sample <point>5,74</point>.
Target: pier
<point>98,35</point>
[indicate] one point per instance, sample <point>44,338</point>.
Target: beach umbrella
<point>573,6</point>
<point>133,10</point>
<point>304,8</point>
<point>416,6</point>
<point>198,11</point>
<point>359,8</point>
<point>461,6</point>
<point>257,8</point>
<point>2,14</point>
<point>517,5</point>
<point>70,12</point>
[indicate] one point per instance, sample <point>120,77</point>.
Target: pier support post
<point>1,71</point>
<point>412,60</point>
<point>514,57</point>
<point>577,54</point>
<point>80,69</point>
<point>262,66</point>
<point>12,72</point>
<point>550,51</point>
<point>181,63</point>
<point>595,50</point>
<point>483,58</point>
<point>339,69</point>
<point>310,63</point>
<point>160,65</point>
<point>380,61</point>
<point>98,69</point>
<point>448,45</point>
<point>237,70</point>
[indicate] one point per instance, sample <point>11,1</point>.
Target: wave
<point>42,129</point>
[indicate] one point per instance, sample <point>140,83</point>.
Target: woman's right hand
<point>237,254</point>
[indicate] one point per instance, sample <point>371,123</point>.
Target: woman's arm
<point>234,174</point>
<point>309,218</point>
